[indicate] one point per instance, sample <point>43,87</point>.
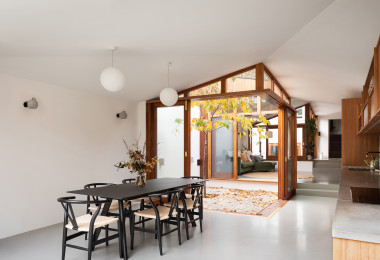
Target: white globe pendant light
<point>111,78</point>
<point>168,96</point>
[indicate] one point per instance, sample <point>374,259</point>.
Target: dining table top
<point>130,191</point>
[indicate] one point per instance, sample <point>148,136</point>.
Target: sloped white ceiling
<point>329,58</point>
<point>320,50</point>
<point>65,42</point>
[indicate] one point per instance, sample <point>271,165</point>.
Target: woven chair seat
<point>189,204</point>
<point>146,200</point>
<point>149,213</point>
<point>113,207</point>
<point>83,222</point>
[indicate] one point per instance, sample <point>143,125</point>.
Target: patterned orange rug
<point>247,202</point>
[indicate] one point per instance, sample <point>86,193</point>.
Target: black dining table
<point>129,191</point>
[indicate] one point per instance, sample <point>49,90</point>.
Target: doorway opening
<point>335,138</point>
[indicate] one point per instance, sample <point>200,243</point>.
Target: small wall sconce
<point>32,104</point>
<point>122,115</point>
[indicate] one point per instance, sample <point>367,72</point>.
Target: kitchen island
<point>356,226</point>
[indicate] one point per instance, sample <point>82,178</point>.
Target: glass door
<point>170,142</point>
<point>222,153</point>
<point>287,153</point>
<point>291,153</point>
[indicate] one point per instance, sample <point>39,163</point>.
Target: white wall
<point>72,139</point>
<point>323,139</point>
<point>141,121</point>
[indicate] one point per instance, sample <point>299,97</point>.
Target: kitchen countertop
<point>356,221</point>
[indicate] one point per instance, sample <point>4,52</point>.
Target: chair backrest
<point>96,185</point>
<point>193,185</point>
<point>128,181</point>
<point>196,194</point>
<point>67,202</point>
<point>173,194</point>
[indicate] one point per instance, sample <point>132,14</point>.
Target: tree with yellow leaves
<point>226,113</point>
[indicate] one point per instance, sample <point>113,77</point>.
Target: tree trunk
<point>204,161</point>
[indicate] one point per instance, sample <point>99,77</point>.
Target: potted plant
<point>137,163</point>
<point>311,130</point>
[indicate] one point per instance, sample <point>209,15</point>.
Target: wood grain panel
<point>282,178</point>
<point>345,249</point>
<point>354,146</point>
<point>260,76</point>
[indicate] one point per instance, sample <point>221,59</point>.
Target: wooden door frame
<point>283,160</point>
<point>151,128</point>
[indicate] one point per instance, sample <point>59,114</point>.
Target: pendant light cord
<point>112,58</point>
<point>169,73</point>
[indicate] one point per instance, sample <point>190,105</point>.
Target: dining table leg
<point>122,233</point>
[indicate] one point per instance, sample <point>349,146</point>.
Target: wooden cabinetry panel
<point>370,99</point>
<point>345,249</point>
<point>354,146</point>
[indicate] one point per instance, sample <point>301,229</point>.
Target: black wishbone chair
<point>113,207</point>
<point>143,201</point>
<point>191,207</point>
<point>160,214</point>
<point>114,204</point>
<point>192,191</point>
<point>85,224</point>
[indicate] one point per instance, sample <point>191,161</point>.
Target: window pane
<point>222,153</point>
<point>273,121</point>
<point>273,143</point>
<point>211,89</point>
<point>258,146</point>
<point>170,161</point>
<point>242,82</point>
<point>277,90</point>
<point>299,141</point>
<point>301,115</point>
<point>267,81</point>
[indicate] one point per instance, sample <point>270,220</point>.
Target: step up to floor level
<point>318,186</point>
<point>317,189</point>
<point>318,193</point>
<point>327,163</point>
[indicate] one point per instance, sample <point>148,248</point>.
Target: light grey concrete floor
<point>300,230</point>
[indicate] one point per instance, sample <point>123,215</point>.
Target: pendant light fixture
<point>168,96</point>
<point>111,78</point>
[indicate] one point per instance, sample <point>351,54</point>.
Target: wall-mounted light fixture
<point>32,104</point>
<point>122,115</point>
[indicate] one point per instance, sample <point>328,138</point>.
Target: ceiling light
<point>111,78</point>
<point>168,96</point>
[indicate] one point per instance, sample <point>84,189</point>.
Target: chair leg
<point>64,242</point>
<point>132,230</point>
<point>130,223</point>
<point>90,243</point>
<point>186,224</point>
<point>159,232</point>
<point>107,227</point>
<point>156,228</point>
<point>179,228</point>
<point>201,218</point>
<point>120,241</point>
<point>141,218</point>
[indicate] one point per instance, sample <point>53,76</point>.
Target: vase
<point>372,166</point>
<point>141,179</point>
